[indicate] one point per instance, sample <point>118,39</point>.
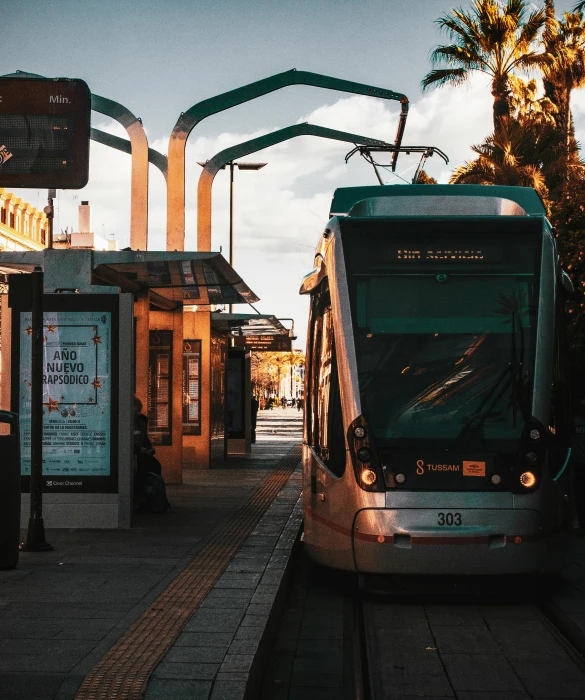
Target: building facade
<point>22,226</point>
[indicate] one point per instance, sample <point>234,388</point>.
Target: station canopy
<point>243,325</point>
<point>256,332</point>
<point>173,278</point>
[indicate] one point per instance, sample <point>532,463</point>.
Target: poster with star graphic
<point>77,395</point>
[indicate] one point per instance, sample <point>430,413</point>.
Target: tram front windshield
<point>444,317</point>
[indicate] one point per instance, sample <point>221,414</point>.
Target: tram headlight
<point>359,432</point>
<point>527,479</point>
<point>535,434</point>
<point>400,478</point>
<point>531,457</point>
<point>364,454</point>
<point>368,477</point>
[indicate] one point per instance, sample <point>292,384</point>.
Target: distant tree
<point>494,39</point>
<point>268,368</point>
<point>425,179</point>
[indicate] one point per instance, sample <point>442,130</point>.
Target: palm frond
<point>445,76</point>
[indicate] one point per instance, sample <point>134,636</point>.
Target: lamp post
<point>241,166</point>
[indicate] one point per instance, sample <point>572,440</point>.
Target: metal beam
<point>189,119</point>
<point>139,151</point>
<point>213,166</point>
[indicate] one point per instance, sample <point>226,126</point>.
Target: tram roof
<point>376,200</point>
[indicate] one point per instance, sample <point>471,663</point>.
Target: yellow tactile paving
<point>124,670</point>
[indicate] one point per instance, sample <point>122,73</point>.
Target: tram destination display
<point>451,254</point>
<point>44,132</point>
<point>80,395</point>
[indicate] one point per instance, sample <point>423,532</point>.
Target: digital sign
<point>264,343</point>
<point>44,132</point>
<point>448,254</point>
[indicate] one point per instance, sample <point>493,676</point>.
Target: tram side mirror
<point>567,284</point>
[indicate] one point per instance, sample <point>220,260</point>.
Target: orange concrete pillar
<point>142,325</point>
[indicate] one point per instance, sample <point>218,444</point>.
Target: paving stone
<point>254,620</point>
<point>454,615</point>
<point>224,603</point>
<point>508,695</point>
<point>527,640</point>
<point>237,663</point>
<point>204,639</point>
<point>517,613</point>
<point>243,646</point>
<point>555,680</point>
<point>167,689</point>
<point>238,581</point>
<point>41,686</point>
<point>240,594</point>
<point>191,671</point>
<point>252,633</point>
<point>232,676</point>
<point>398,617</point>
<point>228,690</point>
<point>406,663</point>
<point>85,629</point>
<point>414,683</point>
<point>478,672</point>
<point>465,640</point>
<point>207,655</point>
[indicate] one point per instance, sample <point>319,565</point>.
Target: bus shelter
<point>245,331</point>
<point>115,324</point>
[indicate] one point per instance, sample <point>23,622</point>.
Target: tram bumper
<point>466,541</point>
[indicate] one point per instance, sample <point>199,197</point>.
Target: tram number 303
<point>449,519</point>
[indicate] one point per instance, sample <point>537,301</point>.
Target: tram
<point>437,420</point>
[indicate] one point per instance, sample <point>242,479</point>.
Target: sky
<point>159,58</point>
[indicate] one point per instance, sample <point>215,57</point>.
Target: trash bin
<point>9,492</point>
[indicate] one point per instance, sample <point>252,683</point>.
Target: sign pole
<point>50,212</point>
<point>35,538</point>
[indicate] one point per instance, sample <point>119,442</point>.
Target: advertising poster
<point>160,372</point>
<point>77,398</point>
<point>191,378</point>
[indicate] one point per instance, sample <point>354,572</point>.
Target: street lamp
<point>241,166</point>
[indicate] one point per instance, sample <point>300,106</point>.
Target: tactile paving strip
<point>124,670</point>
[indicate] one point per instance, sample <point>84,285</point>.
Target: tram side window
<point>326,420</point>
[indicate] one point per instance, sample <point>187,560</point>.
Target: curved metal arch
<point>213,166</point>
<point>189,119</point>
<point>140,157</point>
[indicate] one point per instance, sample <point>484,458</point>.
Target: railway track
<point>458,639</point>
<point>406,638</point>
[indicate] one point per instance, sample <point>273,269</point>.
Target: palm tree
<point>501,164</point>
<point>490,39</point>
<point>563,71</point>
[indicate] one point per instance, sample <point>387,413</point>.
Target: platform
<point>176,607</point>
